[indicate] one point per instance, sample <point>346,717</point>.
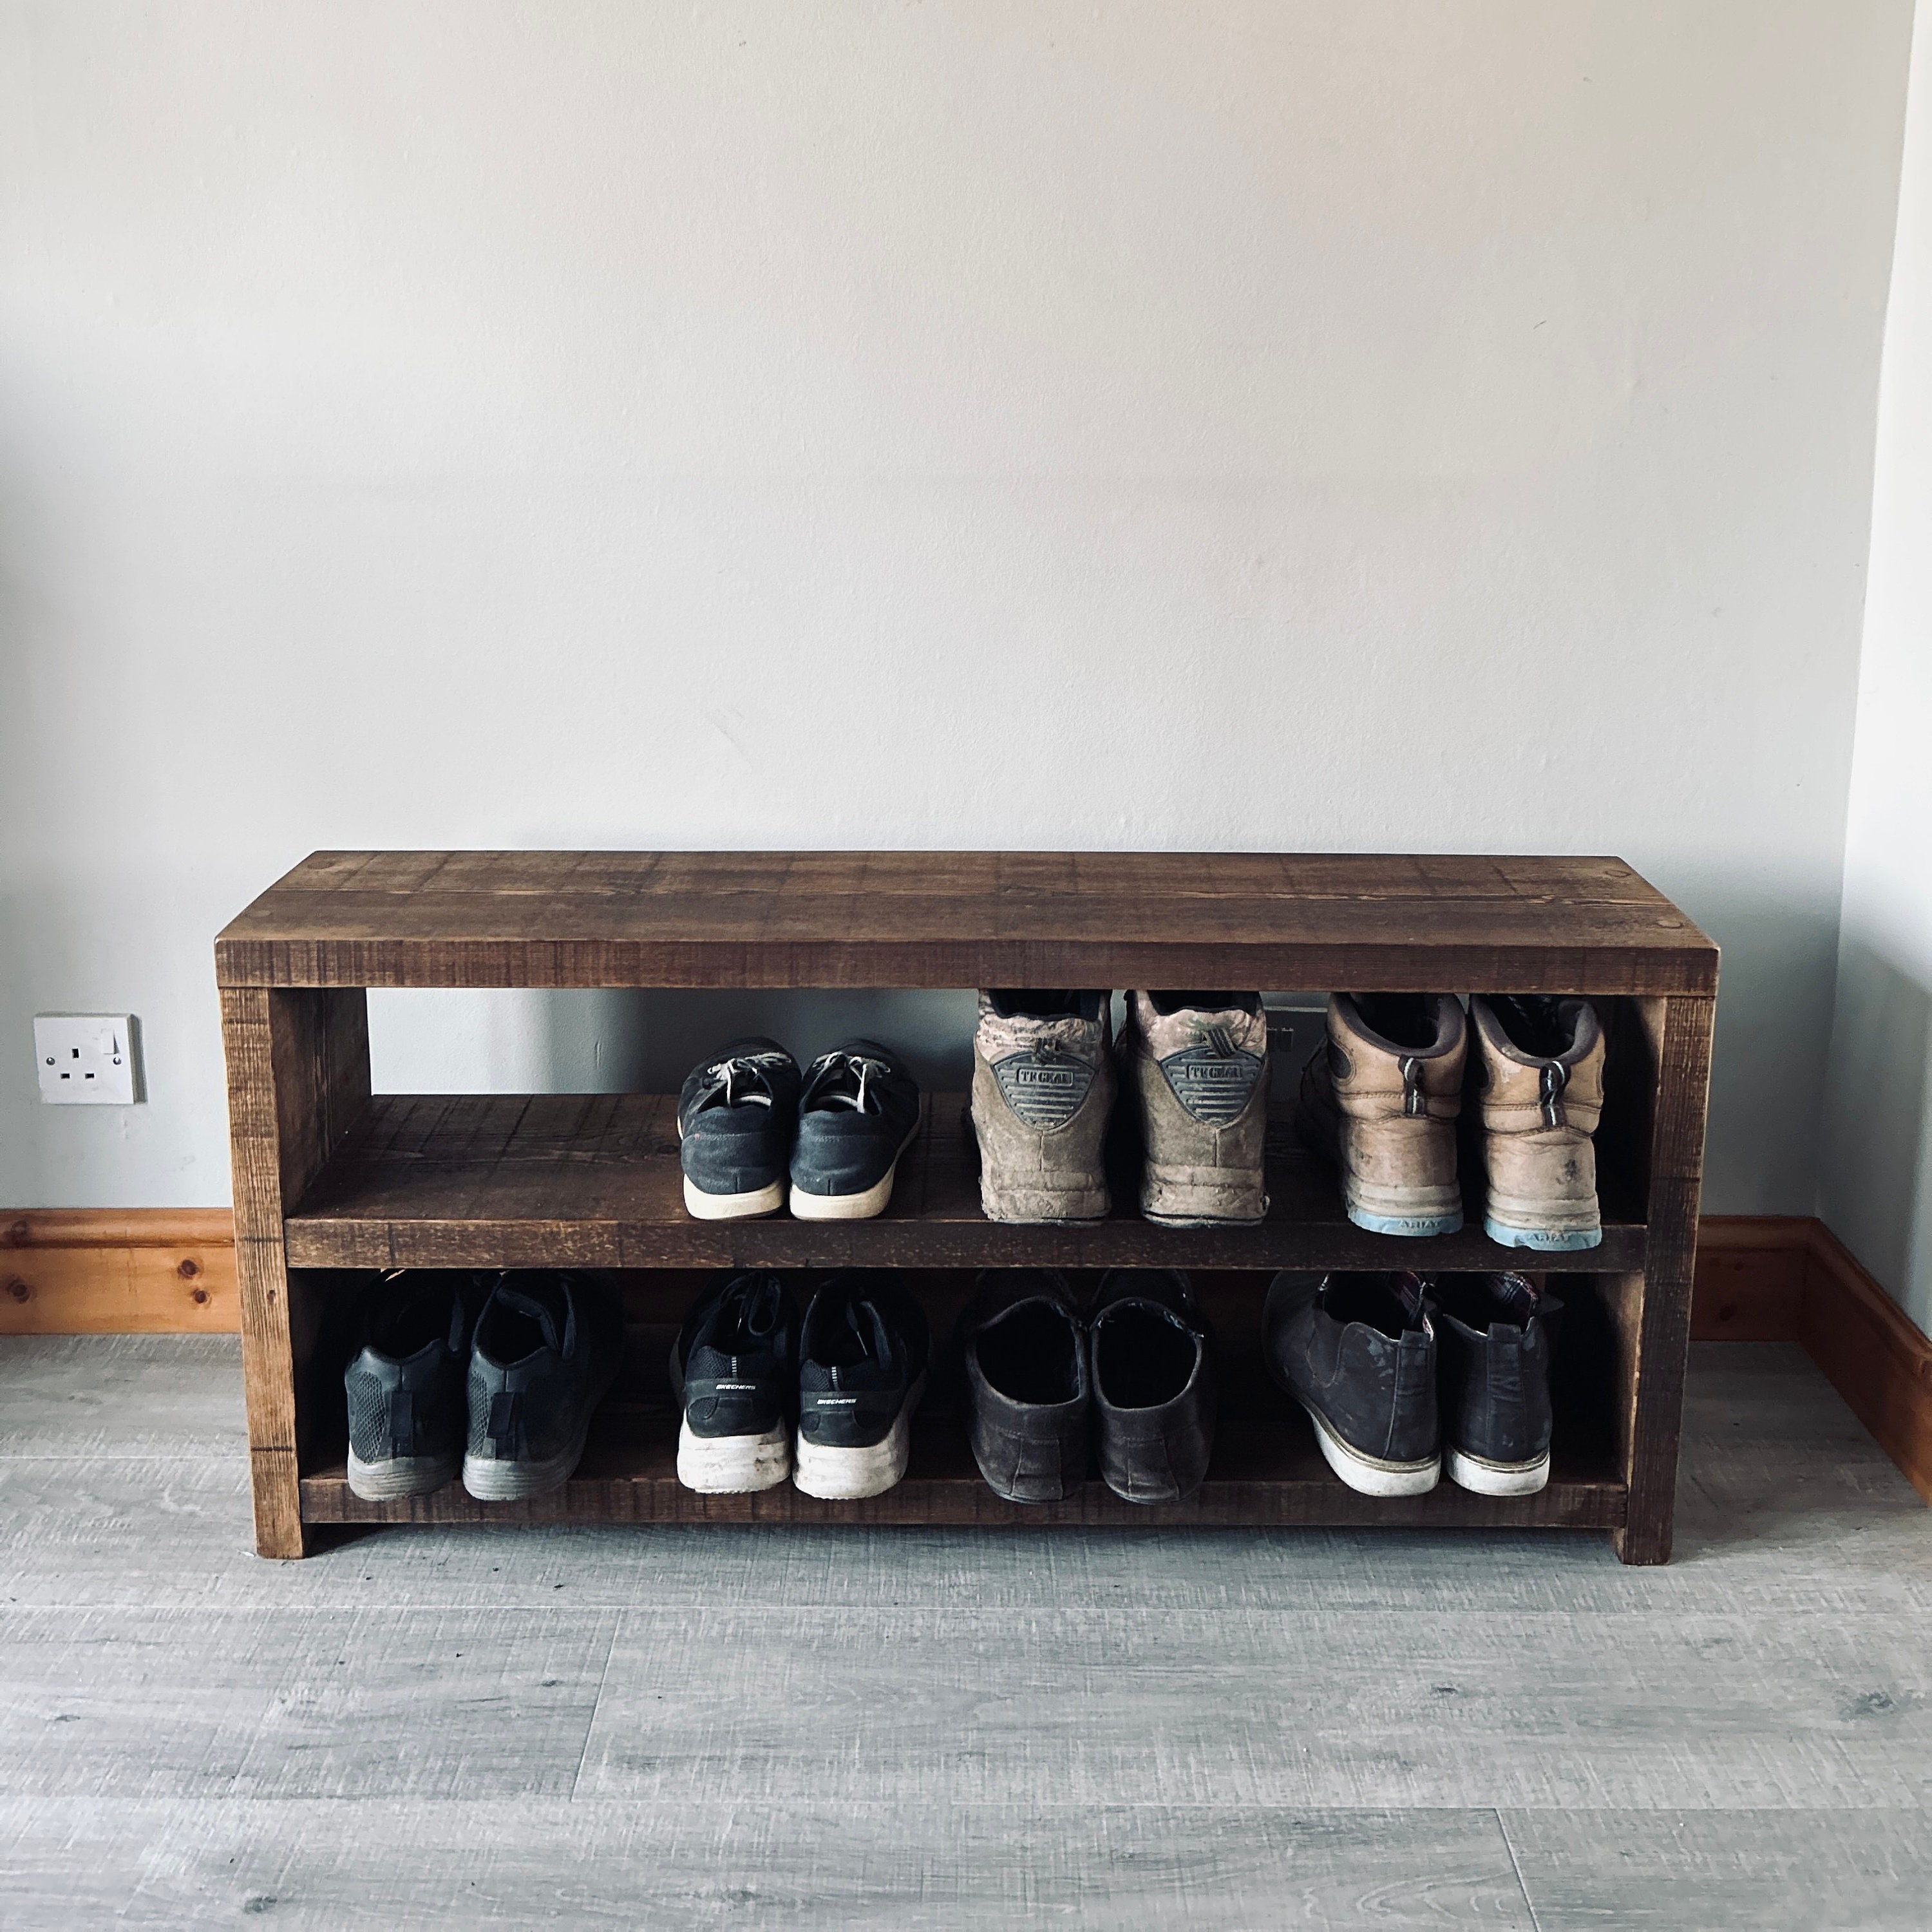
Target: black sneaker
<point>858,1113</point>
<point>1498,1332</point>
<point>862,1371</point>
<point>735,1118</point>
<point>1358,1352</point>
<point>547,1348</point>
<point>405,1386</point>
<point>1026,1384</point>
<point>1153,1384</point>
<point>734,1373</point>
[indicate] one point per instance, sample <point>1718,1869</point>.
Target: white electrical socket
<point>85,1059</point>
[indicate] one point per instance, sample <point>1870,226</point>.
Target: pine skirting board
<point>1785,1278</point>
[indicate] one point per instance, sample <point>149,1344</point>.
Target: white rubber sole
<point>845,1475</point>
<point>401,1476</point>
<point>1498,1479</point>
<point>702,1207</point>
<point>851,1207</point>
<point>733,1465</point>
<point>1372,1475</point>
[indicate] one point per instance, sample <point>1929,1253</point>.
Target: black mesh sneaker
<point>547,1348</point>
<point>1497,1334</point>
<point>858,1113</point>
<point>405,1385</point>
<point>734,1374</point>
<point>736,1118</point>
<point>862,1357</point>
<point>1153,1384</point>
<point>1357,1352</point>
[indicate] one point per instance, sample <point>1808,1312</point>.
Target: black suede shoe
<point>405,1386</point>
<point>548,1346</point>
<point>863,1355</point>
<point>1498,1334</point>
<point>734,1374</point>
<point>1358,1352</point>
<point>1026,1383</point>
<point>858,1113</point>
<point>1153,1384</point>
<point>736,1118</point>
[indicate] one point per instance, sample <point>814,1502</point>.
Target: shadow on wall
<point>1875,1189</point>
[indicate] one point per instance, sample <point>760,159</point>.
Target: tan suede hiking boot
<point>1197,1062</point>
<point>1380,1098</point>
<point>1043,1087</point>
<point>1536,1080</point>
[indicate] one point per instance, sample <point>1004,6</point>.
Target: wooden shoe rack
<point>331,1181</point>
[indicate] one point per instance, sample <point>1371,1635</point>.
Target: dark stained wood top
<point>1274,921</point>
<point>592,1180</point>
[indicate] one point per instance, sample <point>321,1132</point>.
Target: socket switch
<point>85,1059</point>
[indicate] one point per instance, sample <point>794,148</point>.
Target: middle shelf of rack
<point>592,1180</point>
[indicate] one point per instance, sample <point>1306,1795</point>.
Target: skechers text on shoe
<point>736,1117</point>
<point>734,1373</point>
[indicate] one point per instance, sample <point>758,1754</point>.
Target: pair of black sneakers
<point>827,1399</point>
<point>1043,1379</point>
<point>747,1121</point>
<point>1401,1372</point>
<point>494,1376</point>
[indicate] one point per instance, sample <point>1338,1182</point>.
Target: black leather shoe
<point>1358,1352</point>
<point>1026,1384</point>
<point>1153,1384</point>
<point>1498,1332</point>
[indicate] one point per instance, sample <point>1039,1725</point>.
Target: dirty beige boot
<point>1043,1086</point>
<point>1197,1064</point>
<point>1380,1098</point>
<point>1536,1079</point>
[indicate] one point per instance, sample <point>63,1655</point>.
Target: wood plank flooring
<point>919,1728</point>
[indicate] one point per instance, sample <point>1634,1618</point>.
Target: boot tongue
<point>517,1303</point>
<point>1409,1287</point>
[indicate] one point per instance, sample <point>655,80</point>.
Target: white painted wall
<point>1876,1149</point>
<point>1275,424</point>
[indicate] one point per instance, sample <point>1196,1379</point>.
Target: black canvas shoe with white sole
<point>863,1357</point>
<point>1153,1384</point>
<point>736,1116</point>
<point>1497,1334</point>
<point>406,1412</point>
<point>857,1114</point>
<point>734,1375</point>
<point>1358,1352</point>
<point>547,1348</point>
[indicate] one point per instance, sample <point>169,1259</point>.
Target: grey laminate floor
<point>686,1727</point>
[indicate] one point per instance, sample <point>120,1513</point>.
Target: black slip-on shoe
<point>1024,1350</point>
<point>1497,1333</point>
<point>857,1114</point>
<point>1358,1351</point>
<point>548,1346</point>
<point>734,1375</point>
<point>406,1412</point>
<point>863,1358</point>
<point>736,1117</point>
<point>1153,1384</point>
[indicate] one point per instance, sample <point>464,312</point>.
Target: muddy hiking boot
<point>1495,1336</point>
<point>1043,1087</point>
<point>1358,1351</point>
<point>1196,1064</point>
<point>1153,1384</point>
<point>734,1377</point>
<point>407,1414</point>
<point>1023,1348</point>
<point>736,1115</point>
<point>1380,1098</point>
<point>548,1346</point>
<point>1536,1089</point>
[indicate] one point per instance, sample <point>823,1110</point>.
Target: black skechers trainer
<point>858,1113</point>
<point>405,1385</point>
<point>548,1346</point>
<point>736,1118</point>
<point>863,1355</point>
<point>734,1373</point>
